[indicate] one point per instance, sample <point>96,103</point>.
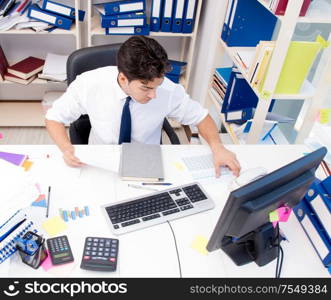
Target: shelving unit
<point>187,44</point>
<point>29,113</point>
<point>313,93</point>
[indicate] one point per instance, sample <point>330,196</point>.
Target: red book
<point>13,78</point>
<point>3,64</point>
<point>282,4</point>
<point>27,67</point>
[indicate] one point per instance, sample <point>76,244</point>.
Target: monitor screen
<point>243,230</point>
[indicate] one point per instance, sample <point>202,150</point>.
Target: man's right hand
<point>70,158</point>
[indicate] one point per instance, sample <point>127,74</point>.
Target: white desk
<point>151,252</point>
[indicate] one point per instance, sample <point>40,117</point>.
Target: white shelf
<point>312,15</point>
<point>36,81</point>
<point>97,30</point>
<point>21,114</point>
<point>307,89</point>
<point>57,31</point>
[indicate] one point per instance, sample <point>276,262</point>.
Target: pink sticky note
<point>284,213</point>
<point>1,136</point>
<point>274,224</point>
<point>47,263</point>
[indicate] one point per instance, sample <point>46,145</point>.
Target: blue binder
<point>177,67</point>
<point>63,10</point>
<point>313,213</point>
<point>189,15</point>
<point>125,20</point>
<point>166,20</point>
<point>132,30</point>
<point>124,7</point>
<point>156,15</point>
<point>50,18</point>
<point>225,29</point>
<point>178,14</point>
<point>249,23</point>
<point>241,115</point>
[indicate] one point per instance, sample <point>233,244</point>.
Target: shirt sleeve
<point>185,110</point>
<point>70,106</point>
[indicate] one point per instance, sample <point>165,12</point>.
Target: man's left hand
<point>224,157</point>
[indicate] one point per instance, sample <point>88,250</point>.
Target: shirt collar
<point>119,92</point>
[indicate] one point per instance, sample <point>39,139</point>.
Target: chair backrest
<point>91,58</point>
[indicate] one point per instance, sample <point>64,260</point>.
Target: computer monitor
<point>243,230</point>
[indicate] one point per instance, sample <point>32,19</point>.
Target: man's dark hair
<point>142,58</point>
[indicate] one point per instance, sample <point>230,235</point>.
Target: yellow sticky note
<point>27,165</point>
<point>179,166</point>
<point>200,244</point>
<point>54,225</point>
<point>273,216</point>
<point>325,115</point>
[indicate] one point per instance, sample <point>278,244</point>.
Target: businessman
<point>128,103</point>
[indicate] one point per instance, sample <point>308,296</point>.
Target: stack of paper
<point>55,67</point>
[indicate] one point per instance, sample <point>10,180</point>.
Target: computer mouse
<point>248,176</point>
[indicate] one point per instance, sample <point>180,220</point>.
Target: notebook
<point>141,162</point>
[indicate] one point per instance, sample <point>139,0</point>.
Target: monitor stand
<point>260,245</point>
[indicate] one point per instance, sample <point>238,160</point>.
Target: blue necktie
<point>125,131</point>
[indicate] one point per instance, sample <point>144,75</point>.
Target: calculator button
<point>100,249</point>
<point>94,253</point>
<point>88,248</point>
<point>94,248</point>
<point>95,244</point>
<point>89,239</point>
<point>112,259</point>
<point>100,253</point>
<point>95,240</point>
<point>87,253</point>
<point>101,245</point>
<point>86,257</point>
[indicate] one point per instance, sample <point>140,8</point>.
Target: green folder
<point>299,59</point>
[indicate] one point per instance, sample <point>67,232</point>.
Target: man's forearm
<point>58,133</point>
<point>208,130</point>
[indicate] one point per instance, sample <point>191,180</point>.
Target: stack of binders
<point>56,14</point>
<point>177,69</point>
<point>176,16</point>
<point>123,17</point>
<point>314,215</point>
<point>220,83</point>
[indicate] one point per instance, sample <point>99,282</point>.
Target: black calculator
<point>60,250</point>
<point>100,254</point>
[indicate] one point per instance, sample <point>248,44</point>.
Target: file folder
<point>132,30</point>
<point>178,14</point>
<point>166,20</point>
<point>63,10</point>
<point>189,16</point>
<point>314,215</point>
<point>50,18</point>
<point>156,15</point>
<point>124,7</point>
<point>249,23</point>
<point>125,20</point>
<point>226,24</point>
<point>239,115</point>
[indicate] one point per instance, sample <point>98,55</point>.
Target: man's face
<point>142,92</point>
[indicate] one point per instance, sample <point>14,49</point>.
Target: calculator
<point>60,250</point>
<point>100,254</point>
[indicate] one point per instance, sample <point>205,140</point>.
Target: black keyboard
<point>156,208</point>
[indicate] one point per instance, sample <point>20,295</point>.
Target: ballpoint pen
<point>48,199</point>
<point>156,183</point>
<point>142,187</point>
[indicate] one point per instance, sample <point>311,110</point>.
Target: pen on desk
<point>48,200</point>
<point>141,187</point>
<point>156,183</point>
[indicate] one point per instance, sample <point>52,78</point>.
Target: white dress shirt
<point>98,94</point>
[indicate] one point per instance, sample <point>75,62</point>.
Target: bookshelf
<point>29,111</point>
<point>312,93</point>
<point>187,41</point>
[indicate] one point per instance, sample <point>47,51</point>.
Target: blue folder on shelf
<point>124,7</point>
<point>166,20</point>
<point>63,10</point>
<point>177,67</point>
<point>224,74</point>
<point>314,215</point>
<point>240,115</point>
<point>59,21</point>
<point>247,22</point>
<point>156,15</point>
<point>125,20</point>
<point>178,14</point>
<point>189,16</point>
<point>131,30</point>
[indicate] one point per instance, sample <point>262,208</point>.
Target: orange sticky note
<point>27,165</point>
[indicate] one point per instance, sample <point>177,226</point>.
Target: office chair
<point>87,59</point>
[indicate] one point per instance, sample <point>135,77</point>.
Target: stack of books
<point>22,72</point>
<point>220,83</point>
<point>123,17</point>
<point>177,69</point>
<point>278,7</point>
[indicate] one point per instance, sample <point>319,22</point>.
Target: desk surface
<point>151,252</point>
